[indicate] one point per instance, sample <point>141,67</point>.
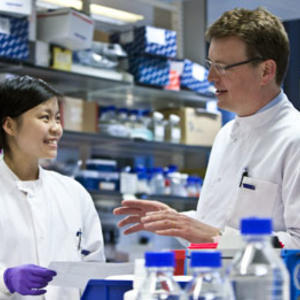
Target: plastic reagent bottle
<point>257,272</point>
<point>208,282</point>
<point>159,283</point>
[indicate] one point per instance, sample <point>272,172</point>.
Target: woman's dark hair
<point>19,94</point>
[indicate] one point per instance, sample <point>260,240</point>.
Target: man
<point>254,166</point>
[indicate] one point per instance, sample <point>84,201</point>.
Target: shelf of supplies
<point>102,85</point>
<point>150,97</point>
<point>116,146</point>
<point>78,82</point>
<point>106,201</point>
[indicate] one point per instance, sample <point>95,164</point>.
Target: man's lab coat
<point>268,145</point>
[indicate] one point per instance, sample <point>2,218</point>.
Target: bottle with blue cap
<point>208,282</point>
<point>159,283</point>
<point>257,272</point>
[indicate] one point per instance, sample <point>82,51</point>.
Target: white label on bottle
<point>4,26</point>
<point>198,72</point>
<point>110,186</point>
<point>155,35</point>
<point>176,134</point>
<point>159,133</point>
<point>128,183</point>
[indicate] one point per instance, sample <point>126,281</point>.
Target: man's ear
<point>269,68</point>
<point>9,126</point>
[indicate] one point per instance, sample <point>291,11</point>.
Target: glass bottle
<point>257,272</point>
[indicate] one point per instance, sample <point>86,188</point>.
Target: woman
<point>44,216</point>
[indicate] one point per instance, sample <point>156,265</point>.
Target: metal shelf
<point>77,84</point>
<point>118,146</point>
<point>115,87</point>
<point>150,97</point>
<point>106,201</point>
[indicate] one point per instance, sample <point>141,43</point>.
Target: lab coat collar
<point>29,186</point>
<point>263,117</point>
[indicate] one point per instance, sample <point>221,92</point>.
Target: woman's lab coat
<point>268,145</point>
<point>39,223</point>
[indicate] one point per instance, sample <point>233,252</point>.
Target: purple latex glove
<point>28,279</point>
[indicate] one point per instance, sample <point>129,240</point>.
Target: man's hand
<point>172,223</point>
<point>28,279</point>
<point>135,209</point>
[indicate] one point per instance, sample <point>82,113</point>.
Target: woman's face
<point>38,130</point>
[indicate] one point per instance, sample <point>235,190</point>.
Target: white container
<point>65,27</point>
<point>16,7</point>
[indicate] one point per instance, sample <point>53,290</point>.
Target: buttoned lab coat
<point>41,221</point>
<point>268,145</point>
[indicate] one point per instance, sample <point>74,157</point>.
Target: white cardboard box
<point>17,7</point>
<point>65,27</point>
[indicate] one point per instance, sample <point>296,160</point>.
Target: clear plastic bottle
<point>157,126</point>
<point>257,272</point>
<point>173,130</point>
<point>157,181</point>
<point>159,283</point>
<point>208,282</point>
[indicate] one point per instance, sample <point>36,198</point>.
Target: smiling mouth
<point>220,91</point>
<point>51,142</point>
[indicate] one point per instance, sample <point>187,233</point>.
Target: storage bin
<point>106,289</point>
<point>18,7</point>
<point>65,27</point>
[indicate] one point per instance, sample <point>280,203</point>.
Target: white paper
<point>77,274</point>
<point>155,35</point>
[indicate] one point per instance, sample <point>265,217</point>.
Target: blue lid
<point>211,259</point>
<point>159,259</point>
<point>256,226</point>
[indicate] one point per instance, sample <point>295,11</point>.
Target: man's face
<point>238,87</point>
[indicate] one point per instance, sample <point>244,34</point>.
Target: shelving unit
<point>108,200</point>
<point>118,145</point>
<point>118,88</point>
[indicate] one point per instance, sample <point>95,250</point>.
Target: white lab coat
<point>268,144</point>
<point>38,224</point>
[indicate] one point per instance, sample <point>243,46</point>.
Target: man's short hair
<point>263,33</point>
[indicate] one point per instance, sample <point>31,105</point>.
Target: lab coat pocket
<point>255,198</point>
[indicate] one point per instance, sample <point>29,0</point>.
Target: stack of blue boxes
<point>195,82</point>
<point>14,37</point>
<point>149,49</point>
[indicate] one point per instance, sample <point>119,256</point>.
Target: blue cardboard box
<point>148,40</point>
<point>150,70</point>
<point>14,37</point>
<point>194,77</point>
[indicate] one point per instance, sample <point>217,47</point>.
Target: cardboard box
<point>101,36</point>
<point>90,116</point>
<point>150,70</point>
<point>198,127</point>
<point>148,40</point>
<point>65,27</point>
<point>16,7</point>
<point>14,37</point>
<point>79,115</point>
<point>72,113</point>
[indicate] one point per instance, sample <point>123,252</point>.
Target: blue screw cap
<point>159,259</point>
<point>256,226</point>
<point>210,259</point>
